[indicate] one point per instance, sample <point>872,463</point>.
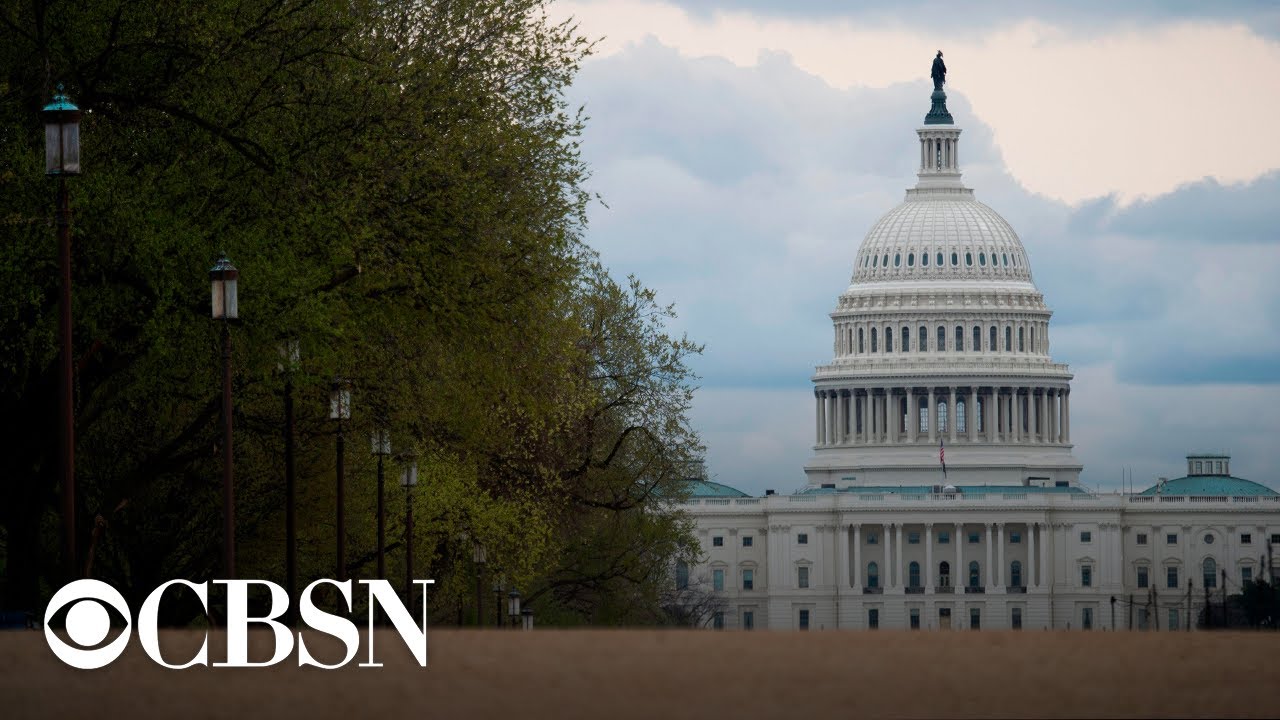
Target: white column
<point>886,542</point>
<point>958,572</point>
<point>891,415</point>
<point>842,554</point>
<point>1000,583</point>
<point>817,417</point>
<point>951,416</point>
<point>866,418</point>
<point>842,436</point>
<point>989,579</point>
<point>857,556</point>
<point>898,559</point>
<point>928,557</point>
<point>990,415</point>
<point>971,413</point>
<point>913,420</point>
<point>1066,416</point>
<point>933,417</point>
<point>1030,579</point>
<point>1017,416</point>
<point>1045,569</point>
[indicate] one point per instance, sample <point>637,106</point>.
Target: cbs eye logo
<point>87,624</point>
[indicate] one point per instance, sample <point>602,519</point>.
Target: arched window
<point>974,575</point>
<point>897,259</point>
<point>1022,346</point>
<point>977,339</point>
<point>961,407</point>
<point>982,259</point>
<point>885,262</point>
<point>911,259</point>
<point>968,259</point>
<point>913,574</point>
<point>942,338</point>
<point>888,339</point>
<point>959,339</point>
<point>955,259</point>
<point>993,346</point>
<point>1015,573</point>
<point>942,416</point>
<point>906,339</point>
<point>939,258</point>
<point>1210,573</point>
<point>874,344</point>
<point>924,259</point>
<point>873,575</point>
<point>860,347</point>
<point>682,575</point>
<point>924,339</point>
<point>1005,256</point>
<point>875,262</point>
<point>1008,338</point>
<point>944,574</point>
<point>1033,338</point>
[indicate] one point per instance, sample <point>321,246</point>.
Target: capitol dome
<point>941,347</point>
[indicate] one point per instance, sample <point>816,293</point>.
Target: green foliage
<point>400,186</point>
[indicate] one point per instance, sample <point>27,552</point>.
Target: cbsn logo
<point>88,623</point>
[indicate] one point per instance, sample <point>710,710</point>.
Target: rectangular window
<point>717,541</point>
<point>1086,575</point>
<point>717,621</point>
<point>748,620</point>
<point>1016,620</point>
<point>748,579</point>
<point>1246,575</point>
<point>975,619</point>
<point>1142,538</point>
<point>802,539</point>
<point>1086,536</point>
<point>1173,618</point>
<point>973,538</point>
<point>915,618</point>
<point>1246,539</point>
<point>717,579</point>
<point>873,618</point>
<point>1171,539</point>
<point>1171,577</point>
<point>804,576</point>
<point>1086,618</point>
<point>872,539</point>
<point>944,538</point>
<point>1142,576</point>
<point>804,619</point>
<point>1015,538</point>
<point>747,541</point>
<point>913,538</point>
<point>1275,538</point>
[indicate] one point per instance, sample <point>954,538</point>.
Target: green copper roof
<point>706,488</point>
<point>938,113</point>
<point>1209,485</point>
<point>961,490</point>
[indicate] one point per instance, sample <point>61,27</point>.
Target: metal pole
<point>228,488</point>
<point>66,438</point>
<point>497,608</point>
<point>408,545</point>
<point>382,537</point>
<point>1226,620</point>
<point>291,500</point>
<point>1188,605</point>
<point>342,514</point>
<point>479,596</point>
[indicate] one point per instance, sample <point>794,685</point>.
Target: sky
<point>741,150</point>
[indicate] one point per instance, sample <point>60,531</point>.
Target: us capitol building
<point>941,349</point>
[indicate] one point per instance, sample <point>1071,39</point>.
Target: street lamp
<point>478,557</point>
<point>381,443</point>
<point>513,606</point>
<point>290,359</point>
<point>497,602</point>
<point>339,410</point>
<point>61,160</point>
<point>526,617</point>
<point>408,479</point>
<point>223,281</point>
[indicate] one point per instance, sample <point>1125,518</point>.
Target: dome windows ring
<point>1006,259</point>
<point>955,259</point>
<point>875,262</point>
<point>982,259</point>
<point>885,261</point>
<point>897,259</point>
<point>924,259</point>
<point>939,259</point>
<point>911,259</point>
<point>968,259</point>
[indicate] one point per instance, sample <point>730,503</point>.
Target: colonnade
<point>892,575</point>
<point>871,337</point>
<point>894,415</point>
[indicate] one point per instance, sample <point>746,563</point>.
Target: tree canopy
<point>399,183</point>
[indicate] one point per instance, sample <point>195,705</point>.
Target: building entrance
<point>944,618</point>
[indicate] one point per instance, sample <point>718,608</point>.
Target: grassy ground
<point>660,675</point>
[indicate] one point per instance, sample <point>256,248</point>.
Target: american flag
<point>942,456</point>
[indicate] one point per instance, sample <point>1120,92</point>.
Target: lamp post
<point>382,448</point>
<point>61,160</point>
<point>478,557</point>
<point>408,479</point>
<point>339,410</point>
<point>290,358</point>
<point>223,280</point>
<point>526,617</point>
<point>497,603</point>
<point>513,606</point>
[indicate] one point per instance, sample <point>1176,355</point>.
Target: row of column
<point>1023,337</point>
<point>894,577</point>
<point>892,415</point>
<point>939,153</point>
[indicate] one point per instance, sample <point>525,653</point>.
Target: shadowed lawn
<point>658,675</point>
